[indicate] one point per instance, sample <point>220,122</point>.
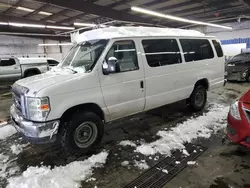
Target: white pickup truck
<point>113,73</point>
<point>13,69</point>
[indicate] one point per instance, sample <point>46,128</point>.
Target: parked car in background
<point>238,128</point>
<point>117,72</point>
<point>238,68</point>
<point>13,69</point>
<point>52,62</point>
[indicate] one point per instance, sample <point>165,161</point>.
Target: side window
<point>7,62</point>
<point>125,54</point>
<point>53,62</point>
<point>218,48</point>
<point>161,52</point>
<point>196,49</point>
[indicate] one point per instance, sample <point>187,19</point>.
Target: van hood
<point>246,97</point>
<point>35,83</point>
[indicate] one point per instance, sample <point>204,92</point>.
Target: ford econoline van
<point>113,73</point>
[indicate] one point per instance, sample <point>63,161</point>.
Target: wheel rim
<point>199,98</point>
<point>85,134</point>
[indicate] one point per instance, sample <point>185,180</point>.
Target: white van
<point>113,73</point>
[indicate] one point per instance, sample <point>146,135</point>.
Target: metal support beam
<point>90,8</point>
<point>55,15</point>
<point>36,11</point>
<point>72,19</point>
<point>13,7</point>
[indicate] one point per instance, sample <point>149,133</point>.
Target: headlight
<point>38,108</point>
<point>234,110</point>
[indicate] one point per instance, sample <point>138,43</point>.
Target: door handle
<point>142,84</point>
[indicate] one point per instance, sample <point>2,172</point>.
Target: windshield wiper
<point>74,71</point>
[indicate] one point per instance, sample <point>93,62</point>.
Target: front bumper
<point>34,132</point>
<point>236,76</point>
<point>238,131</point>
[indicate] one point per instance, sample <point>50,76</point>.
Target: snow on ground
<point>6,131</point>
<point>3,123</point>
<point>142,165</point>
<point>202,126</point>
<point>16,149</point>
<point>127,143</point>
<point>191,162</point>
<point>3,164</point>
<point>69,176</point>
<point>163,170</point>
<point>125,163</point>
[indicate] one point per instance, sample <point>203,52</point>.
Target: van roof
<point>123,32</point>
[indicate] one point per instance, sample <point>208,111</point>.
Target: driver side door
<point>123,90</point>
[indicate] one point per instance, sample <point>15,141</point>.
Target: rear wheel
<point>198,98</point>
<point>82,133</point>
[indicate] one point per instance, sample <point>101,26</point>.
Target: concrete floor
<point>222,165</point>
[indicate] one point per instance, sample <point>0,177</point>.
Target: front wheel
<point>84,131</point>
<point>198,98</point>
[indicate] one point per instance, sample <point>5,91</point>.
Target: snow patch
<point>125,163</point>
<point>16,149</point>
<point>127,143</point>
<point>3,123</point>
<point>185,152</point>
<point>163,170</point>
<point>91,179</point>
<point>191,162</point>
<point>6,131</point>
<point>68,176</point>
<point>202,126</point>
<point>142,165</point>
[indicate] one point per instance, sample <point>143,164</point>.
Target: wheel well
<point>88,107</point>
<point>37,71</point>
<point>203,82</point>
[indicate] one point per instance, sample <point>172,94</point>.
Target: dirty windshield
<point>84,55</point>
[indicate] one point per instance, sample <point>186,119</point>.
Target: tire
<point>30,73</point>
<point>198,98</point>
<point>82,133</point>
<point>248,78</point>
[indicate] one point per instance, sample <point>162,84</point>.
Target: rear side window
<point>7,62</point>
<point>218,48</point>
<point>161,52</point>
<point>196,49</point>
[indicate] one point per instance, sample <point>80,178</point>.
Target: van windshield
<point>84,55</point>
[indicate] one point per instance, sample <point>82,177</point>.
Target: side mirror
<point>110,66</point>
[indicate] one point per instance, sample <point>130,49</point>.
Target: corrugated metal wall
<point>24,46</point>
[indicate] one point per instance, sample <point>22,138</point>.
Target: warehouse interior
<point>167,146</point>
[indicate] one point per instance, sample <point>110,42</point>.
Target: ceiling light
<point>59,27</point>
<point>26,25</point>
<point>56,44</point>
<point>25,9</point>
<point>45,13</point>
<point>85,24</point>
<point>4,23</point>
<point>153,13</point>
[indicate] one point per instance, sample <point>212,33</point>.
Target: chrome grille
<point>17,92</point>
